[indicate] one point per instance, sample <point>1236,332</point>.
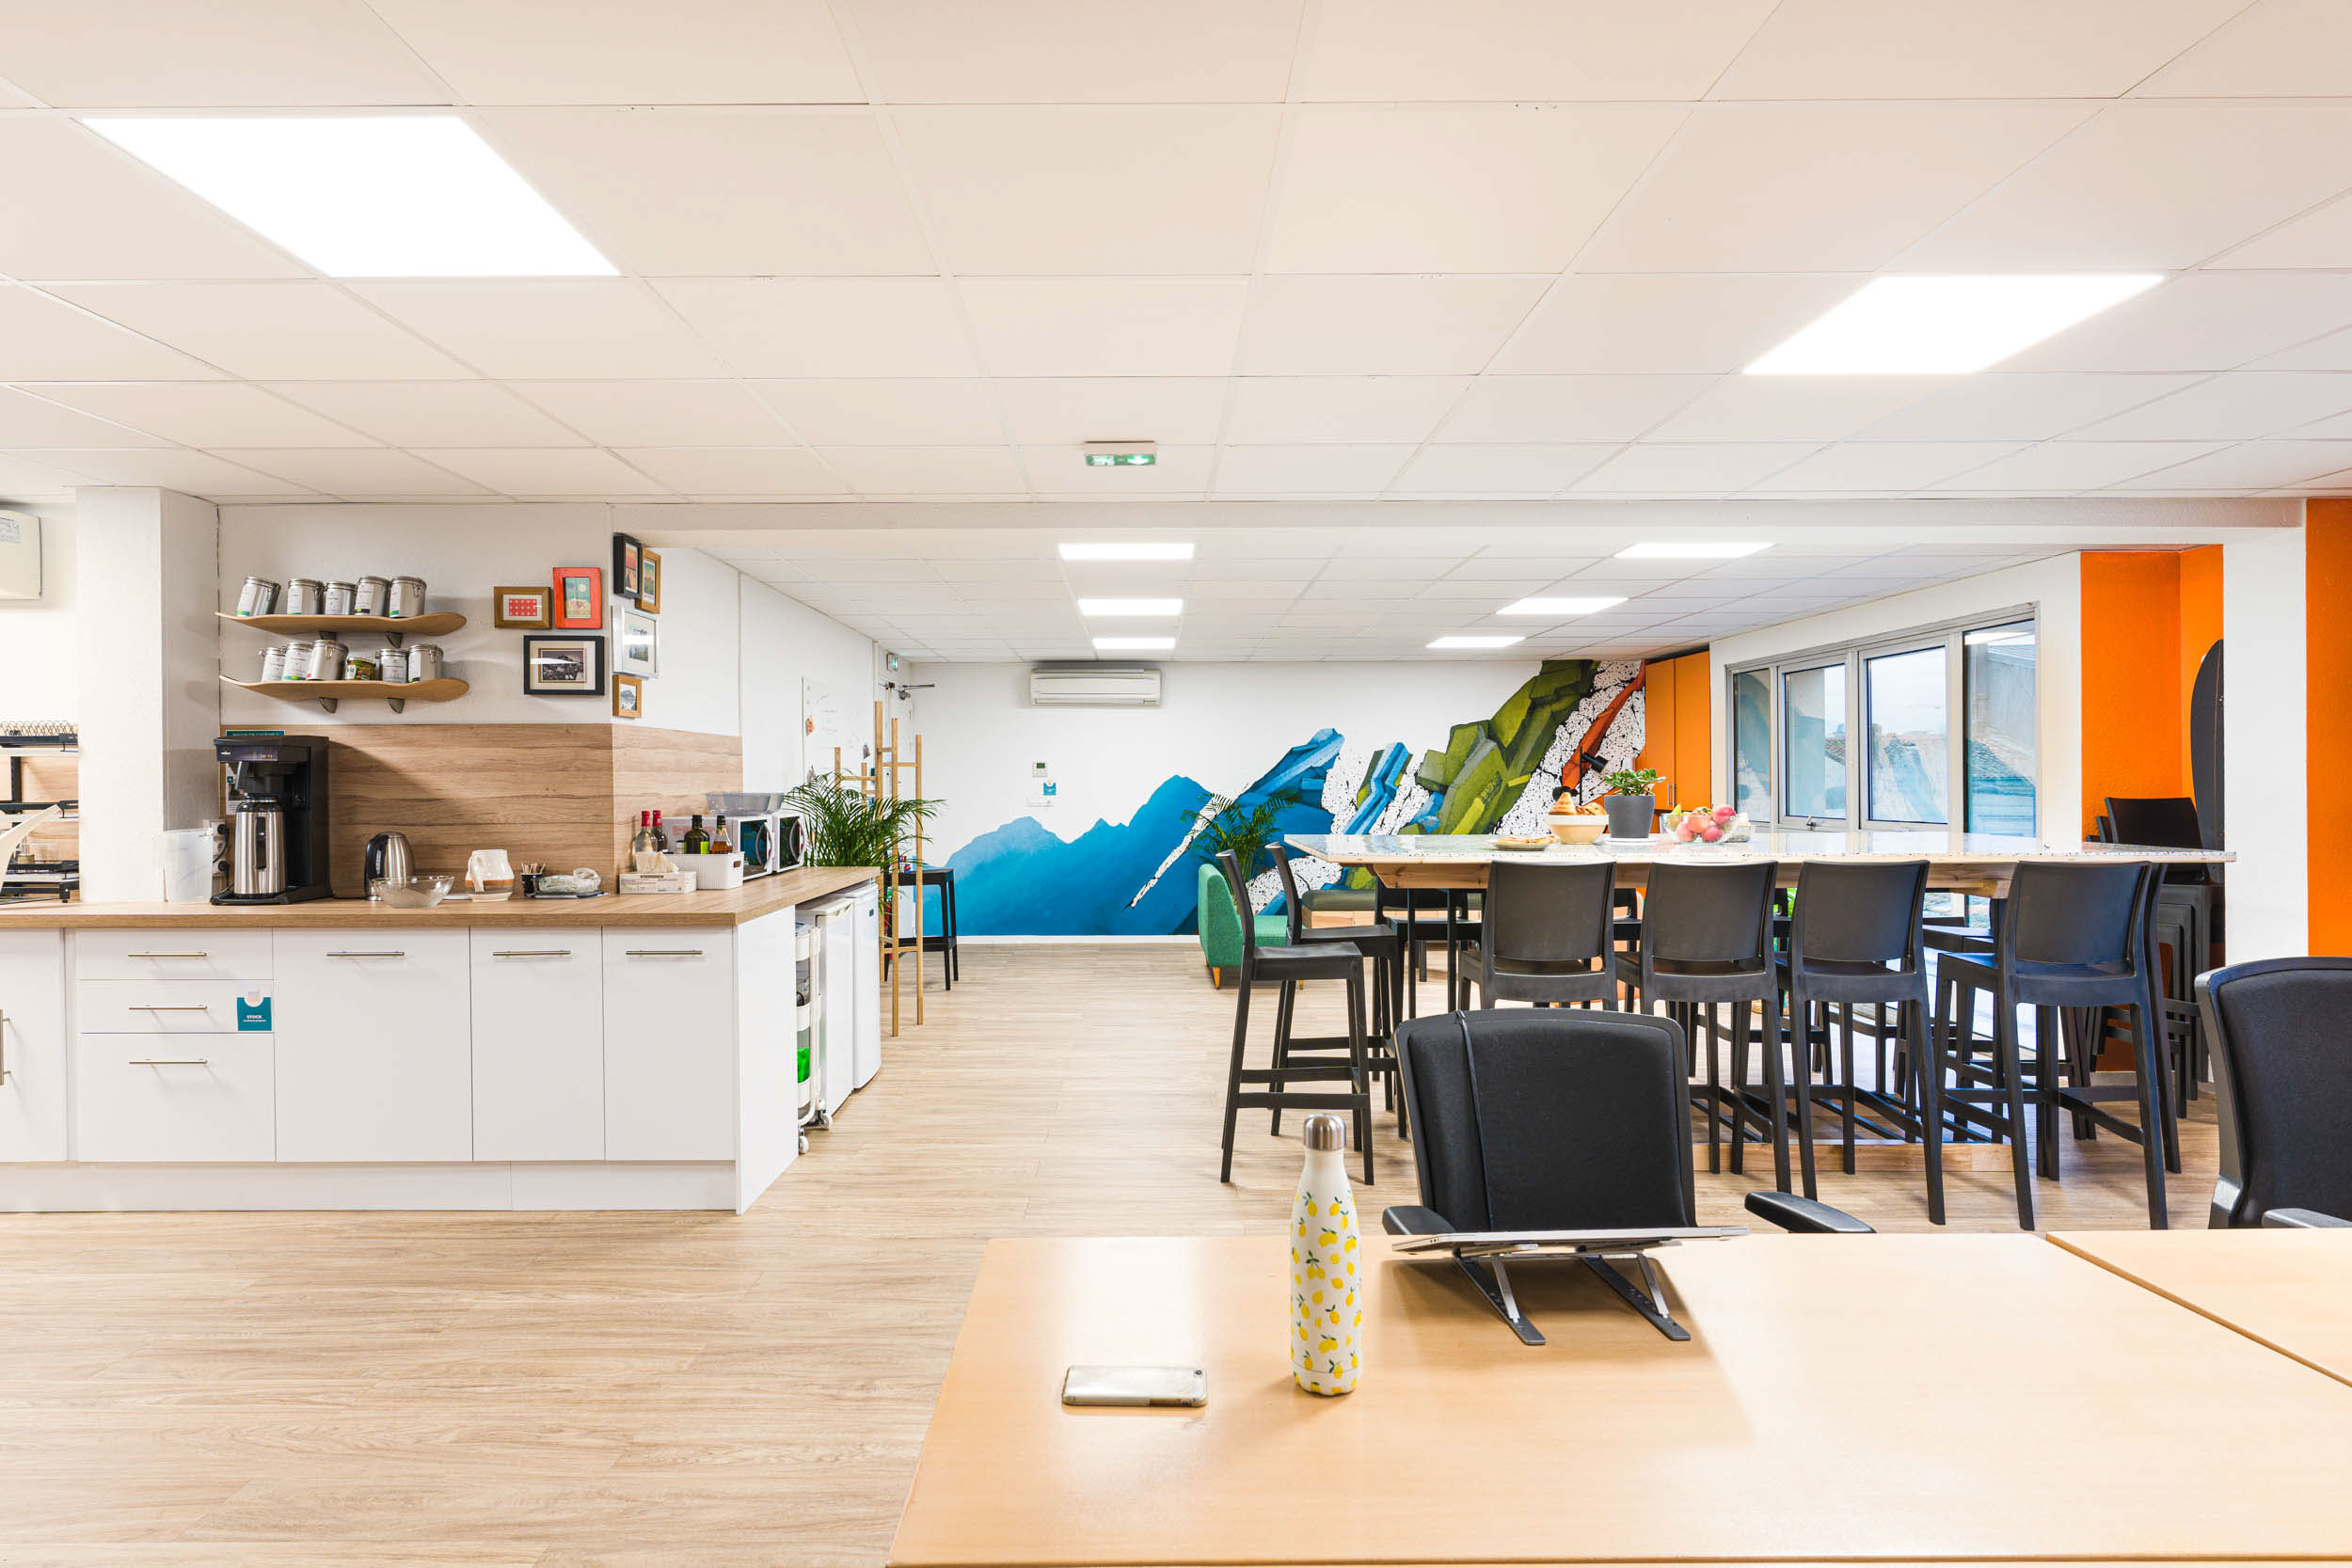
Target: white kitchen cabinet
<point>538,1044</point>
<point>375,1058</point>
<point>184,955</point>
<point>669,1044</point>
<point>33,1097</point>
<point>182,1100</point>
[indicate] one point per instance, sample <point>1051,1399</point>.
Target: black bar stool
<point>1853,921</point>
<point>1379,941</point>
<point>1706,941</point>
<point>2185,914</point>
<point>1547,935</point>
<point>2068,936</point>
<point>1287,967</point>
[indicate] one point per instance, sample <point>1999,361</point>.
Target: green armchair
<point>1220,926</point>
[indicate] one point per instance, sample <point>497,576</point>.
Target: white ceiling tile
<point>1567,407</point>
<point>197,473</point>
<point>1499,469</point>
<point>269,331</point>
<point>29,421</point>
<point>1994,407</point>
<point>826,327</point>
<point>357,473</point>
<point>1370,568</point>
<point>1322,470</point>
<point>1062,470</point>
<point>586,328</point>
<point>2061,467</point>
<point>2254,465</point>
<point>1413,189</point>
<point>2230,407</point>
<point>79,208</point>
<point>1177,411</point>
<point>47,339</point>
<point>1666,469</point>
<point>1792,407</point>
<point>2320,239</point>
<point>2331,352</point>
<point>2339,428</point>
<point>1539,51</point>
<point>23,480</point>
<point>659,413</point>
<point>1371,326</point>
<point>1782,187</point>
<point>995,575</point>
<point>2206,321</point>
<point>260,53</point>
<point>2283,48</point>
<point>893,413</point>
<point>705,192</point>
<point>1650,326</point>
<point>1885,465</point>
<point>1075,190</point>
<point>626,52</point>
<point>546,473</point>
<point>1273,410</point>
<point>1111,326</point>
<point>2151,184</point>
<point>737,470</point>
<point>1079,50</point>
<point>929,470</point>
<point>431,412</point>
<point>207,414</point>
<point>1966,48</point>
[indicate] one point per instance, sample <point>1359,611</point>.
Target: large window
<point>1944,717</point>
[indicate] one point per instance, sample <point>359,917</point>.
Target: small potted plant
<point>1632,805</point>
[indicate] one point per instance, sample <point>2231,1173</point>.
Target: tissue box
<point>714,871</point>
<point>666,881</point>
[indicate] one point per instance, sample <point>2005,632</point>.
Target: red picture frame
<point>573,586</point>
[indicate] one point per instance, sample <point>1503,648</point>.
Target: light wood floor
<point>620,1390</point>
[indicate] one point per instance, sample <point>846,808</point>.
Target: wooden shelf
<point>437,625</point>
<point>326,694</point>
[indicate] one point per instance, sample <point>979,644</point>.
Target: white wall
<point>2053,587</point>
<point>40,643</point>
<point>783,643</point>
<point>2265,746</point>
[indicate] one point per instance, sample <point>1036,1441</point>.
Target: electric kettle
<point>386,857</point>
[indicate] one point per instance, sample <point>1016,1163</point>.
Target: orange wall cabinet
<point>2148,617</point>
<point>1676,734</point>
<point>2328,709</point>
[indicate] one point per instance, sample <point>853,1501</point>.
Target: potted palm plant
<point>1245,830</point>
<point>1630,802</point>
<point>842,825</point>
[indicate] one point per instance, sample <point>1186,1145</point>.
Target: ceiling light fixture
<point>1693,550</point>
<point>1120,550</point>
<point>1945,326</point>
<point>367,196</point>
<point>1559,606</point>
<point>1122,454</point>
<point>1462,645</point>
<point>1104,608</point>
<point>1133,644</point>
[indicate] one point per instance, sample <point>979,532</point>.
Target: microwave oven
<point>770,842</point>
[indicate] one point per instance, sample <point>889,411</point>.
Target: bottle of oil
<point>697,841</point>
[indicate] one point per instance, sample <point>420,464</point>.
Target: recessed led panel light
<point>1559,606</point>
<point>1693,550</point>
<point>1453,645</point>
<point>1106,607</point>
<point>1945,326</point>
<point>1121,550</point>
<point>367,196</point>
<point>1133,644</point>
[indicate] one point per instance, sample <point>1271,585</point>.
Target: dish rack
<point>22,874</point>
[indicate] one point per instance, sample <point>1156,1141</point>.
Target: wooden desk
<point>2286,1288</point>
<point>1889,1397</point>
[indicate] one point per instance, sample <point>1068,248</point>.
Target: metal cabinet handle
<point>169,955</point>
<point>391,955</point>
<point>171,1061</point>
<point>4,1047</point>
<point>661,952</point>
<point>535,953</point>
<point>156,1008</point>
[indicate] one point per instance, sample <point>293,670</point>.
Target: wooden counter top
<point>733,907</point>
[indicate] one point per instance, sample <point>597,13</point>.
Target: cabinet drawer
<point>209,1098</point>
<point>189,955</point>
<point>160,1007</point>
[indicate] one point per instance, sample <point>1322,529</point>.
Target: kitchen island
<point>628,1051</point>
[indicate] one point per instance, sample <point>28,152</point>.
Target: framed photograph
<point>636,643</point>
<point>522,608</point>
<point>563,666</point>
<point>580,599</point>
<point>629,697</point>
<point>649,582</point>
<point>627,556</point>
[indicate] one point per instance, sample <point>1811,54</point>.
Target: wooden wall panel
<point>665,770</point>
<point>541,792</point>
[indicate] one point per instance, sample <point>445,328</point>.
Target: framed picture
<point>636,643</point>
<point>627,556</point>
<point>629,697</point>
<point>580,598</point>
<point>649,582</point>
<point>563,666</point>
<point>522,608</point>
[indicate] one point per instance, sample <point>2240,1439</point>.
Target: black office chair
<point>1546,936</point>
<point>1557,1119</point>
<point>2280,1076</point>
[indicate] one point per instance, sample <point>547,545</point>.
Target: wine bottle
<point>643,843</point>
<point>697,841</point>
<point>660,836</point>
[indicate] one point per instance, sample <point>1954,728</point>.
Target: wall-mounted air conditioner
<point>1094,685</point>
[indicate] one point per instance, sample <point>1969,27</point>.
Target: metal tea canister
<point>1326,1259</point>
<point>273,661</point>
<point>304,596</point>
<point>407,598</point>
<point>424,661</point>
<point>392,664</point>
<point>340,596</point>
<point>258,596</point>
<point>371,596</point>
<point>327,659</point>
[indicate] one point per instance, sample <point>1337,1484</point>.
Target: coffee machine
<point>276,817</point>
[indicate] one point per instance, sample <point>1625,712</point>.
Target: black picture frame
<point>627,562</point>
<point>564,651</point>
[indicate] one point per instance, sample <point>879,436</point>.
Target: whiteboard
<point>824,724</point>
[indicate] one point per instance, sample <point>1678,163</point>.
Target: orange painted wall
<point>2201,628</point>
<point>2328,716</point>
<point>1677,737</point>
<point>2133,705</point>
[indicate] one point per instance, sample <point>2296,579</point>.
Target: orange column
<point>2201,628</point>
<point>1694,748</point>
<point>2326,713</point>
<point>2133,705</point>
<point>1658,721</point>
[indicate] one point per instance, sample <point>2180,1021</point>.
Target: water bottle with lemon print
<point>1326,1273</point>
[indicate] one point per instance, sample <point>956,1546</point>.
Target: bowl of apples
<point>1710,825</point>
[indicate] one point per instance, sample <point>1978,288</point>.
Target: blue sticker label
<point>253,1014</point>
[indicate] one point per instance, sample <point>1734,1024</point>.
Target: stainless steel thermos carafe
<point>256,849</point>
